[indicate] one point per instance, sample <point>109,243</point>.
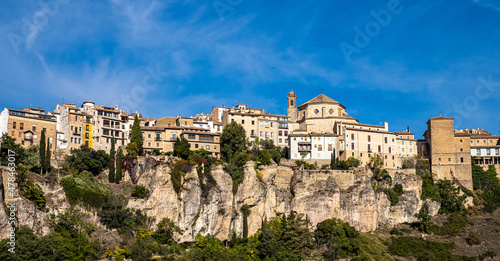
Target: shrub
<point>85,189</point>
<point>140,191</point>
<point>113,214</point>
<point>180,168</point>
<point>398,188</point>
<point>260,175</point>
<point>473,239</point>
<point>453,226</point>
<point>87,159</point>
<point>420,248</point>
<point>395,231</point>
<point>264,157</point>
<point>221,211</point>
<point>30,190</point>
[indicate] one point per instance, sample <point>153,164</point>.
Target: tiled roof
<point>321,99</point>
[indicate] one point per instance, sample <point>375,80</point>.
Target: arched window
<point>291,103</point>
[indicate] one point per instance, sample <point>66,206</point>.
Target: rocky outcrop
<point>319,194</point>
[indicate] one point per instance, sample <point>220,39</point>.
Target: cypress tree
<point>119,169</point>
<point>42,151</point>
<point>137,134</point>
<point>47,157</point>
<point>112,161</point>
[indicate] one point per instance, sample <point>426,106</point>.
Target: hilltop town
<point>315,131</point>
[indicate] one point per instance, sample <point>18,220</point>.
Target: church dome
<point>291,93</point>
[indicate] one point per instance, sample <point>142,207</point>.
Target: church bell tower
<point>292,106</point>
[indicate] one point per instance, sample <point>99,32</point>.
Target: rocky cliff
<point>319,194</point>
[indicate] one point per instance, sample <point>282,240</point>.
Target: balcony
<point>77,133</point>
<point>157,139</point>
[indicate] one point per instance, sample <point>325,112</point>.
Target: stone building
<point>26,126</point>
<point>108,122</point>
<point>325,119</point>
<point>256,122</point>
<point>75,126</point>
<point>449,151</point>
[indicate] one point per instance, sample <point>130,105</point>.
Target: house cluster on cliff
<point>316,130</point>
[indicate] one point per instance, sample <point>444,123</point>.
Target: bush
<point>473,239</point>
<point>30,190</point>
<point>395,231</point>
<point>87,159</point>
<point>181,167</point>
<point>113,214</point>
<point>353,162</point>
<point>264,157</point>
<point>85,189</point>
<point>420,248</point>
<point>140,192</point>
<point>453,226</point>
<point>398,188</point>
<point>221,211</point>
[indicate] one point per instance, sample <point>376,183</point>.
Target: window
<point>449,159</point>
<point>242,121</point>
<point>185,123</point>
<point>196,146</point>
<point>286,133</point>
<point>462,160</point>
<point>261,124</point>
<point>262,134</point>
<point>149,135</point>
<point>232,120</point>
<point>252,133</point>
<point>272,134</point>
<point>460,140</point>
<point>379,148</point>
<point>253,122</point>
<point>13,126</point>
<point>385,156</point>
<point>72,127</point>
<point>33,128</point>
<point>279,140</point>
<point>267,134</point>
<point>352,136</point>
<point>71,139</point>
<point>497,152</point>
<point>21,126</point>
<point>267,124</point>
<point>35,137</point>
<point>208,147</point>
<point>390,150</point>
<point>369,148</point>
<point>19,135</point>
<point>174,136</point>
<point>76,118</point>
<point>330,147</point>
<point>369,138</point>
<point>403,150</point>
<point>149,144</point>
<point>331,111</point>
<point>316,111</point>
<point>439,159</point>
<point>215,147</point>
<point>385,139</point>
<point>392,157</point>
<point>403,142</point>
<point>272,124</point>
<point>392,139</point>
<point>352,146</point>
<point>461,149</point>
<point>320,148</point>
<point>280,133</point>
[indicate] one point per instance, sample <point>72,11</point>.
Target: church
<point>321,127</point>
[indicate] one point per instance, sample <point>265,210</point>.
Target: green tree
<point>111,176</point>
<point>42,151</point>
<point>47,157</point>
<point>132,150</point>
<point>352,161</point>
<point>245,210</point>
<point>119,167</point>
<point>136,135</point>
<point>9,143</point>
<point>232,140</point>
<point>165,231</point>
<point>88,159</point>
<point>181,148</point>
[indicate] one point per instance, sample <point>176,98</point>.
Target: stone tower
<point>292,106</point>
<point>449,151</point>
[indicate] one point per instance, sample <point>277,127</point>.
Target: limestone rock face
<point>319,194</point>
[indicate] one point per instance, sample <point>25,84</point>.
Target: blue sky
<point>414,59</point>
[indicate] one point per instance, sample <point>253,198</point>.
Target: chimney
<point>386,126</point>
